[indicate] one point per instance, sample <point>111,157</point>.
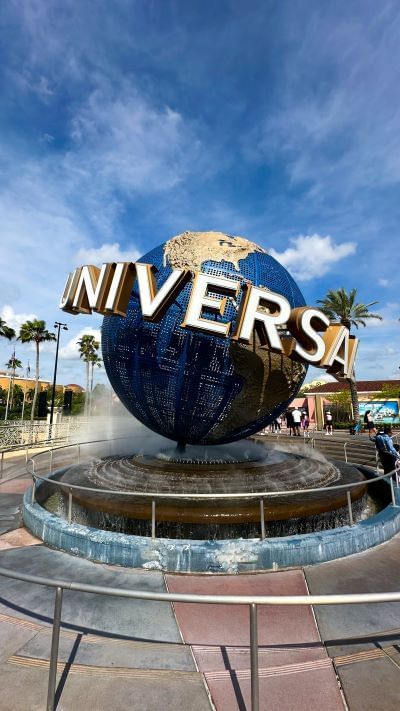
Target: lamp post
<point>58,326</point>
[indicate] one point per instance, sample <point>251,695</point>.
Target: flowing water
<point>242,468</point>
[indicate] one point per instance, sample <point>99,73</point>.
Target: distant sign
<point>382,411</point>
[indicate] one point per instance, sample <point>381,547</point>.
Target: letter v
<point>153,302</point>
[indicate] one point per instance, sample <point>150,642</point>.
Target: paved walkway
<point>117,654</point>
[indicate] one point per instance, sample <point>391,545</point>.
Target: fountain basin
<point>227,509</point>
<point>210,556</point>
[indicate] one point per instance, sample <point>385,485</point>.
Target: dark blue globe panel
<point>188,385</point>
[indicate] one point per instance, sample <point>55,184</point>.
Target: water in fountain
<point>241,468</point>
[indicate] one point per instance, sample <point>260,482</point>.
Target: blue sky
<point>124,123</point>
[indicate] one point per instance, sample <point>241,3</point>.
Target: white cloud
<point>390,313</point>
<point>337,137</point>
<point>15,320</point>
<point>383,282</point>
<point>107,253</point>
<point>58,205</point>
<point>122,142</point>
<point>312,256</point>
<point>38,84</point>
<point>71,350</point>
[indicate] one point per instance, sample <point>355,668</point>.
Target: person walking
<point>289,422</point>
<point>328,423</point>
<point>389,456</point>
<point>305,423</point>
<point>369,423</point>
<point>296,415</point>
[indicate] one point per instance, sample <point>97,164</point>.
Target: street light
<point>64,326</point>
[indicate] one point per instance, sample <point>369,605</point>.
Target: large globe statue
<point>188,385</point>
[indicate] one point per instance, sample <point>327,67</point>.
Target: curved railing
<point>251,601</point>
<point>25,448</point>
<point>153,496</point>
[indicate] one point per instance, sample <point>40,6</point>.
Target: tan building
<point>317,403</point>
<point>24,383</point>
<point>27,384</point>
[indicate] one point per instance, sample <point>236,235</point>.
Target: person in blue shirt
<point>387,452</point>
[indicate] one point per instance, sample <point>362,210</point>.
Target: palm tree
<point>35,332</point>
<point>341,306</point>
<point>94,360</point>
<point>88,347</point>
<point>12,365</point>
<point>6,331</point>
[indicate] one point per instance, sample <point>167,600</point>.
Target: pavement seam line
<point>34,636</point>
<point>284,670</point>
<point>124,672</point>
<point>204,681</point>
<point>244,650</point>
<point>396,664</point>
<point>90,638</point>
<point>359,657</point>
<point>334,666</point>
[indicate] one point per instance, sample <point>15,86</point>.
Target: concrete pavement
<point>118,654</point>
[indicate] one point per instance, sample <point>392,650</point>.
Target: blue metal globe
<point>188,385</point>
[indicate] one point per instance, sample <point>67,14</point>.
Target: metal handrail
<point>25,448</point>
<point>196,497</point>
<point>355,444</point>
<point>309,440</point>
<point>154,496</point>
<point>192,497</point>
<point>251,601</point>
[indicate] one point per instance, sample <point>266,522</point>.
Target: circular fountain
<point>188,370</point>
<point>208,493</point>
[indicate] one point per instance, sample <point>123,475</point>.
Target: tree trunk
<point>354,397</point>
<point>91,387</point>
<point>36,383</point>
<point>12,389</point>
<point>87,394</point>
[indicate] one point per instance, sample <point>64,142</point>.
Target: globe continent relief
<point>191,386</point>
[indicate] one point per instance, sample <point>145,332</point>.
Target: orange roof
<point>363,386</point>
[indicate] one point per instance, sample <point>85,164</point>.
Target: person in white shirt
<point>328,423</point>
<point>296,414</point>
<point>305,423</point>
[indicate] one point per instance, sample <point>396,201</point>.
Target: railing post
<point>350,507</point>
<point>33,490</point>
<point>2,465</point>
<point>345,451</point>
<point>153,518</point>
<point>55,638</point>
<point>262,519</point>
<point>70,506</point>
<point>254,658</point>
<point>392,490</point>
<point>79,453</point>
<point>51,461</point>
